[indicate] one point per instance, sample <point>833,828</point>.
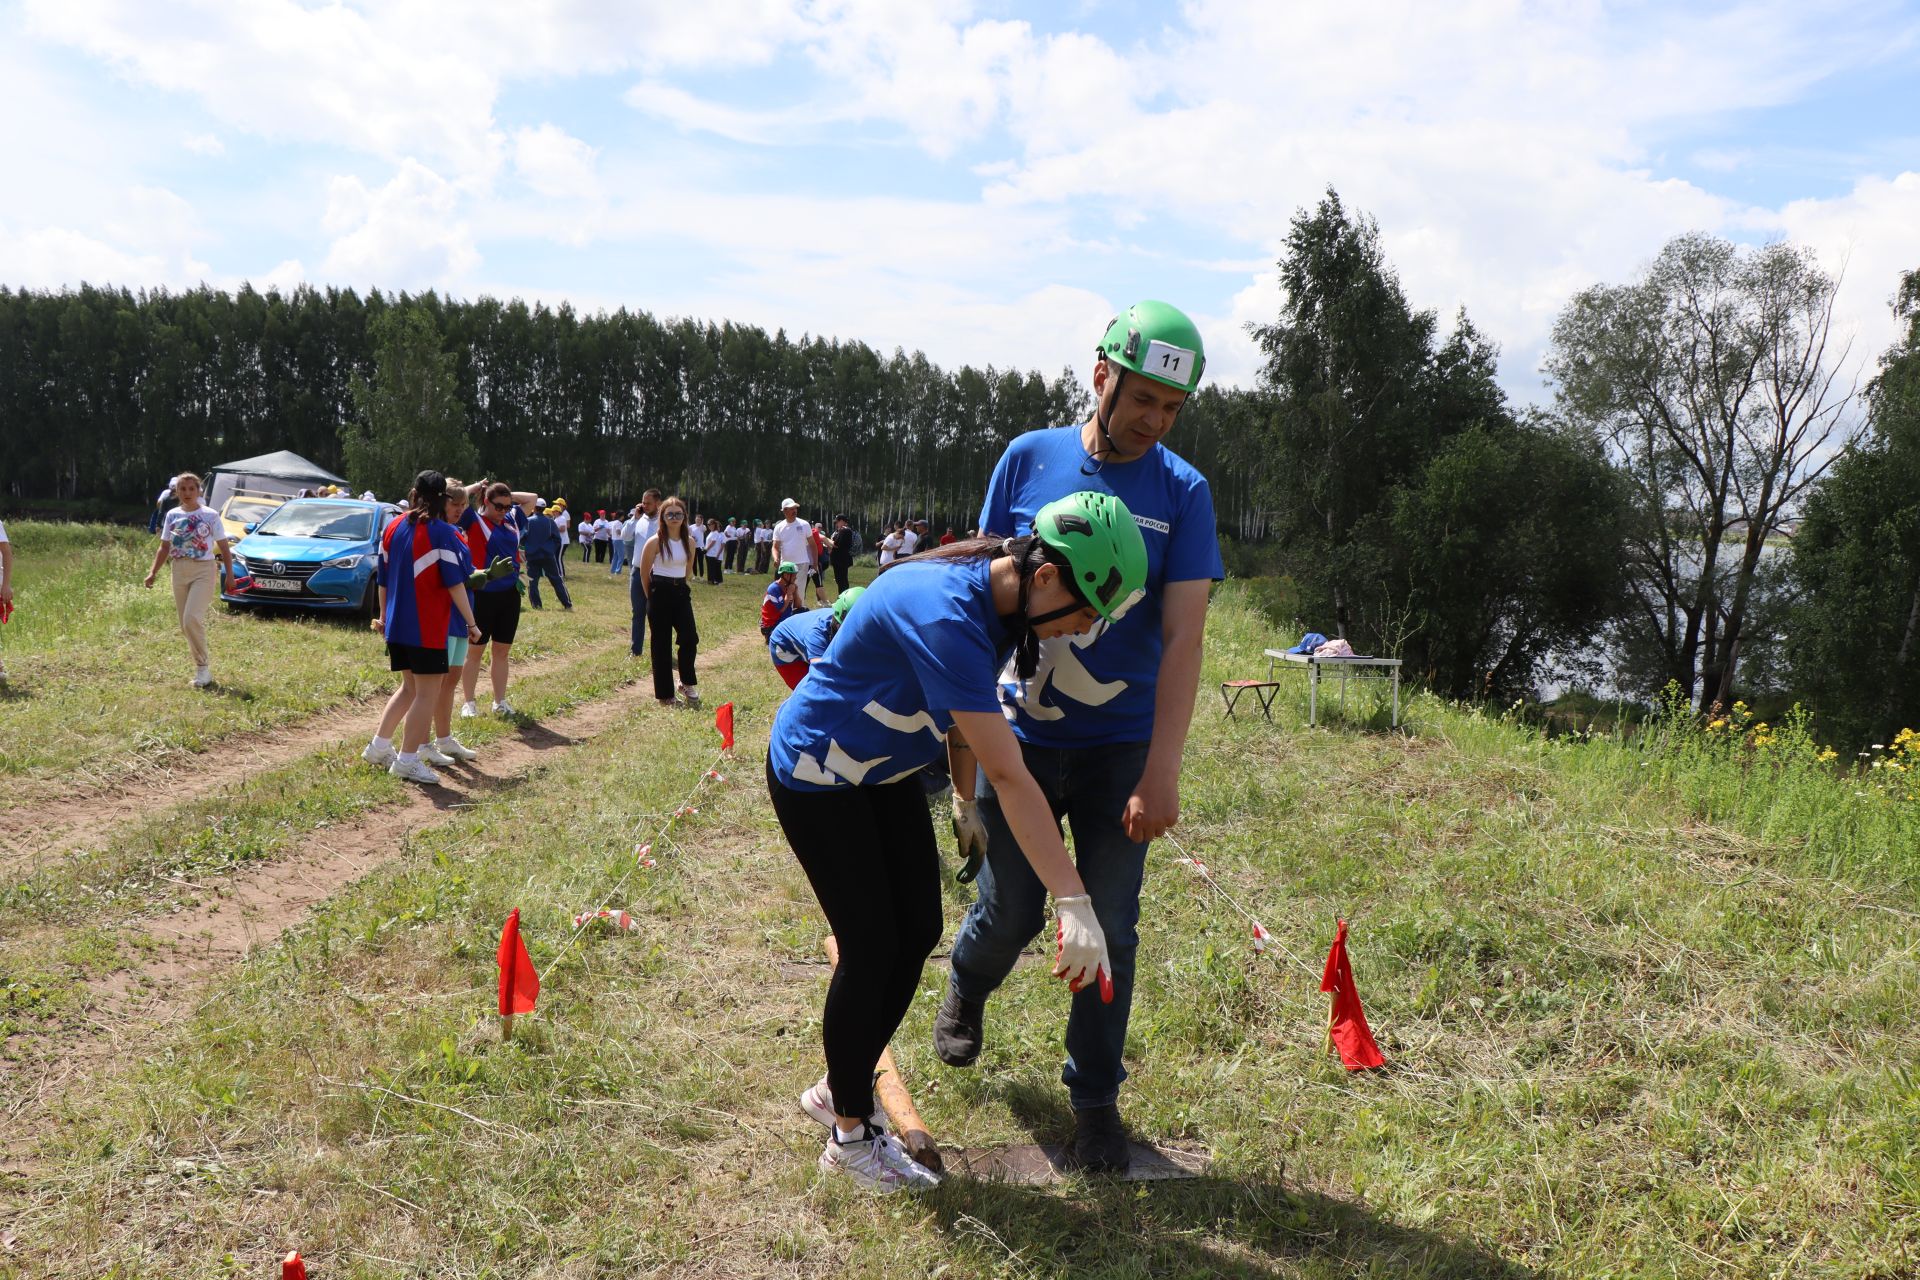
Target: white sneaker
<point>690,692</point>
<point>817,1102</point>
<point>504,708</point>
<point>468,711</point>
<point>876,1162</point>
<point>414,771</point>
<point>434,756</point>
<point>202,677</point>
<point>380,757</point>
<point>451,746</point>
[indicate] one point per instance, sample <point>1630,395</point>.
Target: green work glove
<point>500,568</point>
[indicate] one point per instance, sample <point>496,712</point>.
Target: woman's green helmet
<point>843,602</point>
<point>1106,556</point>
<point>1158,341</point>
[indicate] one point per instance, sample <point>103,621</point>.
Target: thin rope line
<point>706,775</point>
<point>1206,874</point>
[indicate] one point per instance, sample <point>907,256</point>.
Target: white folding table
<point>1348,669</point>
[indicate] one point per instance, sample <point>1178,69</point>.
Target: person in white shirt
<point>909,539</point>
<point>665,559</point>
<point>762,547</point>
<point>731,532</point>
<point>645,523</point>
<point>890,546</point>
<point>562,521</point>
<point>6,591</point>
<point>716,548</point>
<point>793,539</point>
<point>619,542</point>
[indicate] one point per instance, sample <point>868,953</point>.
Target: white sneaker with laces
<point>202,677</point>
<point>414,771</point>
<point>874,1161</point>
<point>434,756</point>
<point>691,693</point>
<point>468,711</point>
<point>452,746</point>
<point>380,757</point>
<point>504,708</point>
<point>817,1102</point>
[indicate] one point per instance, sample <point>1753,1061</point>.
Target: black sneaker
<point>1100,1143</point>
<point>956,1029</point>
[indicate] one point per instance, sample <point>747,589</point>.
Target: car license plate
<point>276,584</point>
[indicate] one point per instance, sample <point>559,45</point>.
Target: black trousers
<point>762,557</point>
<point>870,855</point>
<point>600,550</point>
<point>670,618</point>
<point>713,570</point>
<point>840,576</point>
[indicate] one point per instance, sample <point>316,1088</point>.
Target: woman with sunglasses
<point>913,674</point>
<point>492,535</point>
<point>664,565</point>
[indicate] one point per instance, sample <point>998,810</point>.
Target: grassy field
<point>1648,1007</point>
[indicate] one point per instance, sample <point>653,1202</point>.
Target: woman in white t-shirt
<point>193,538</point>
<point>6,591</point>
<point>890,545</point>
<point>716,549</point>
<point>664,561</point>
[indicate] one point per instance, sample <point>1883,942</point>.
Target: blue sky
<point>984,182</point>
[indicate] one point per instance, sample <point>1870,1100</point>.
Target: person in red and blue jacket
<point>423,567</point>
<point>782,600</point>
<point>493,537</point>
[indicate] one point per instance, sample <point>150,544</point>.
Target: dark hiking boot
<point>956,1029</point>
<point>1100,1142</point>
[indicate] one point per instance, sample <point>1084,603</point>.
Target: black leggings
<point>670,609</point>
<point>870,855</point>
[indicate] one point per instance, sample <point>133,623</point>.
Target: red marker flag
<point>1347,1024</point>
<point>519,984</point>
<point>723,721</point>
<point>293,1268</point>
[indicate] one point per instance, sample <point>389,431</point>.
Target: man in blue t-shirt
<point>1103,719</point>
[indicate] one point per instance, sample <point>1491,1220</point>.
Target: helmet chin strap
<point>1102,415</point>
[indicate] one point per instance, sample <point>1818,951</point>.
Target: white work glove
<point>971,835</point>
<point>1082,954</point>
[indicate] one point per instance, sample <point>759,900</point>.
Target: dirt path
<point>254,907</point>
<point>54,820</point>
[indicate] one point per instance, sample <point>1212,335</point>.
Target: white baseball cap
<point>788,503</point>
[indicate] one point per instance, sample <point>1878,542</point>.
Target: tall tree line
<point>105,392</point>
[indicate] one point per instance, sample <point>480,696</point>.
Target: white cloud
<point>555,163</point>
<point>204,144</point>
<point>1867,237</point>
<point>407,234</point>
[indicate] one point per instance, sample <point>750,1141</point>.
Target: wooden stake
<point>506,1026</point>
<point>898,1104</point>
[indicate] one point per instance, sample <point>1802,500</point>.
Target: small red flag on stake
<point>293,1268</point>
<point>1347,1022</point>
<point>519,984</point>
<point>723,721</point>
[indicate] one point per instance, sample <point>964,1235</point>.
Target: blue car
<point>311,553</point>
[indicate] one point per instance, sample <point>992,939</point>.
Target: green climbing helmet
<point>786,566</point>
<point>843,602</point>
<point>1106,556</point>
<point>1158,341</point>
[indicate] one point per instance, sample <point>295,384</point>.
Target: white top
<point>670,561</point>
<point>603,531</point>
<point>889,547</point>
<point>620,530</point>
<point>561,522</point>
<point>3,530</point>
<point>908,541</point>
<point>793,540</point>
<point>763,534</point>
<point>193,535</point>
<point>643,527</point>
<point>732,531</point>
<point>716,542</point>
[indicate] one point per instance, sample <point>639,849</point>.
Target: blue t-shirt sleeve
<point>1193,552</point>
<point>442,537</point>
<point>996,513</point>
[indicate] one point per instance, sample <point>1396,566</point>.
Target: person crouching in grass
<point>423,568</point>
<point>192,538</point>
<point>782,599</point>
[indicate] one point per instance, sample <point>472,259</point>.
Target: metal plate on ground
<point>1033,1165</point>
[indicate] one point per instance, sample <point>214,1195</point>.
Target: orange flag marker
<point>723,721</point>
<point>1347,1022</point>
<point>293,1268</point>
<point>519,983</point>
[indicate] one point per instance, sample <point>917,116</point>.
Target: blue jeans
<point>619,557</point>
<point>1088,786</point>
<point>548,565</point>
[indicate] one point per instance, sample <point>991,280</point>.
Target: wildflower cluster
<point>1894,767</point>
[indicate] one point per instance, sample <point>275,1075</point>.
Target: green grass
<point>1641,1022</point>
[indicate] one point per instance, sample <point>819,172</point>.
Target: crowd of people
<point>1047,660</point>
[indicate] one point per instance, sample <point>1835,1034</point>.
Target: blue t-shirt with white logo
<point>924,643</point>
<point>801,638</point>
<point>1098,688</point>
